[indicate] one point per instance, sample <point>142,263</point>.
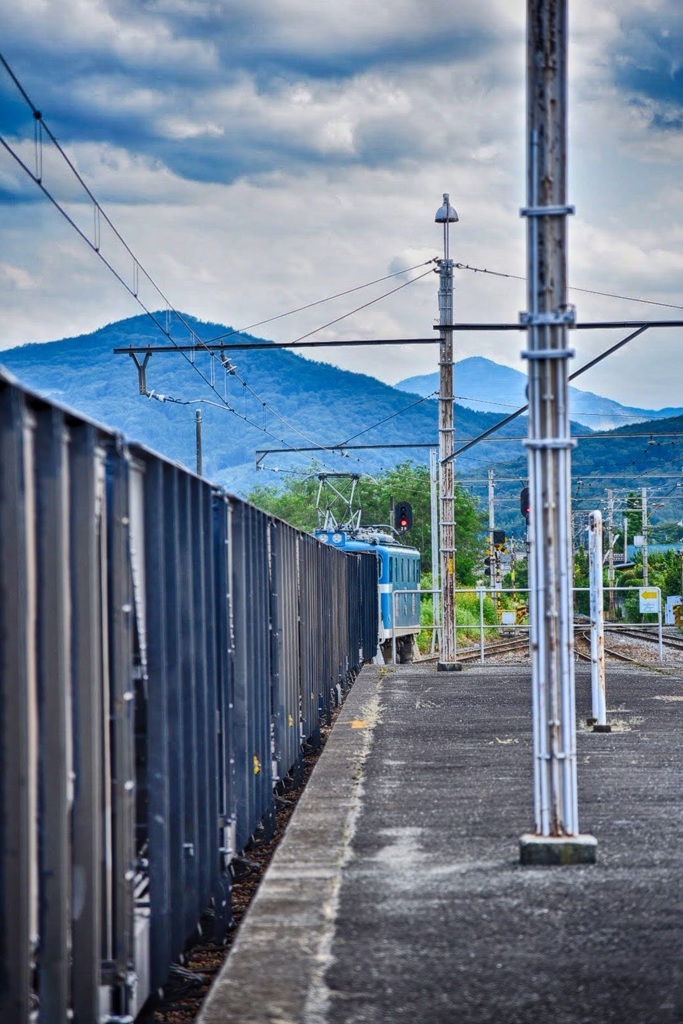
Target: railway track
<point>498,647</point>
<point>673,641</point>
<point>613,651</point>
<point>583,653</point>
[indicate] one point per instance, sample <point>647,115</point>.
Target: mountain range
<point>477,377</point>
<point>276,401</point>
<point>268,399</point>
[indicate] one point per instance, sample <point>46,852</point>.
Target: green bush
<point>466,616</point>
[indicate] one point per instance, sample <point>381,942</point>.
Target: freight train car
<point>166,650</point>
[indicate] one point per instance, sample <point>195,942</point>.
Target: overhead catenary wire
<point>99,214</point>
<point>320,302</point>
<point>386,419</point>
<point>365,305</point>
<point>573,288</point>
<point>572,376</point>
<point>95,246</point>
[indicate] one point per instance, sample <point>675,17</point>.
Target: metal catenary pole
<point>556,838</point>
<point>493,564</point>
<point>610,551</point>
<point>446,215</point>
<point>434,509</point>
<point>643,504</point>
<point>597,617</point>
<point>198,435</point>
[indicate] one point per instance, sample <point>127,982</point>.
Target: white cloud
<point>17,277</point>
<point>259,158</point>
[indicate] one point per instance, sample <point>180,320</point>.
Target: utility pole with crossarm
<point>446,215</point>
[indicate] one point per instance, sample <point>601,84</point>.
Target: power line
<point>573,288</point>
<point>387,418</point>
<point>360,308</point>
<point>572,376</point>
<point>42,127</point>
<point>344,446</point>
<point>319,302</point>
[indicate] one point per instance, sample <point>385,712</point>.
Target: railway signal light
<point>499,539</point>
<point>488,563</point>
<point>524,504</point>
<point>403,516</point>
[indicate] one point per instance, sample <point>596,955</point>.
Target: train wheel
<point>406,652</point>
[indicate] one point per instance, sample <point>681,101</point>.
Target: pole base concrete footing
<point>449,666</point>
<point>557,850</point>
<point>601,728</point>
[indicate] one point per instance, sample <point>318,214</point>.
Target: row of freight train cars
<point>166,651</point>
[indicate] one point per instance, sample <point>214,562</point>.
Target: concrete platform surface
<point>397,894</point>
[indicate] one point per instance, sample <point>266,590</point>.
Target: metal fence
<point>165,652</point>
<point>515,619</point>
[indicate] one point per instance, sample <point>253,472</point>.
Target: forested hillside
<point>278,400</point>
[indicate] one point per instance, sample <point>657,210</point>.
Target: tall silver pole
<point>198,437</point>
<point>556,838</point>
<point>446,215</point>
<point>597,617</point>
<point>434,509</point>
<point>493,563</point>
<point>643,505</point>
<point>610,551</point>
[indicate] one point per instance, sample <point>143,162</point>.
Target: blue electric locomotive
<point>398,573</point>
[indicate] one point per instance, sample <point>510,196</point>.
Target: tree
<point>633,514</point>
<point>581,581</point>
<point>296,503</point>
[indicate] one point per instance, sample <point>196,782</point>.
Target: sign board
<point>649,600</point>
<point>617,556</point>
<point>508,618</point>
<point>638,540</point>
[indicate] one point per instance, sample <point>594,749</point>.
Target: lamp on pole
<point>446,215</point>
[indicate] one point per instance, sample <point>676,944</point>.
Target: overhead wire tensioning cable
<point>319,302</point>
<point>387,418</point>
<point>573,288</point>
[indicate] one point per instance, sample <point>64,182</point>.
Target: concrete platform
<point>397,894</point>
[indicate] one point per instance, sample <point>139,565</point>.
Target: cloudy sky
<point>257,157</point>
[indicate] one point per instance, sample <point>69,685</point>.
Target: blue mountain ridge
<point>306,403</point>
<point>477,379</point>
<point>315,403</point>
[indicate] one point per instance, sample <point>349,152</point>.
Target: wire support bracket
<point>549,318</point>
<point>549,442</point>
<point>546,211</point>
<point>549,353</point>
<point>142,367</point>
